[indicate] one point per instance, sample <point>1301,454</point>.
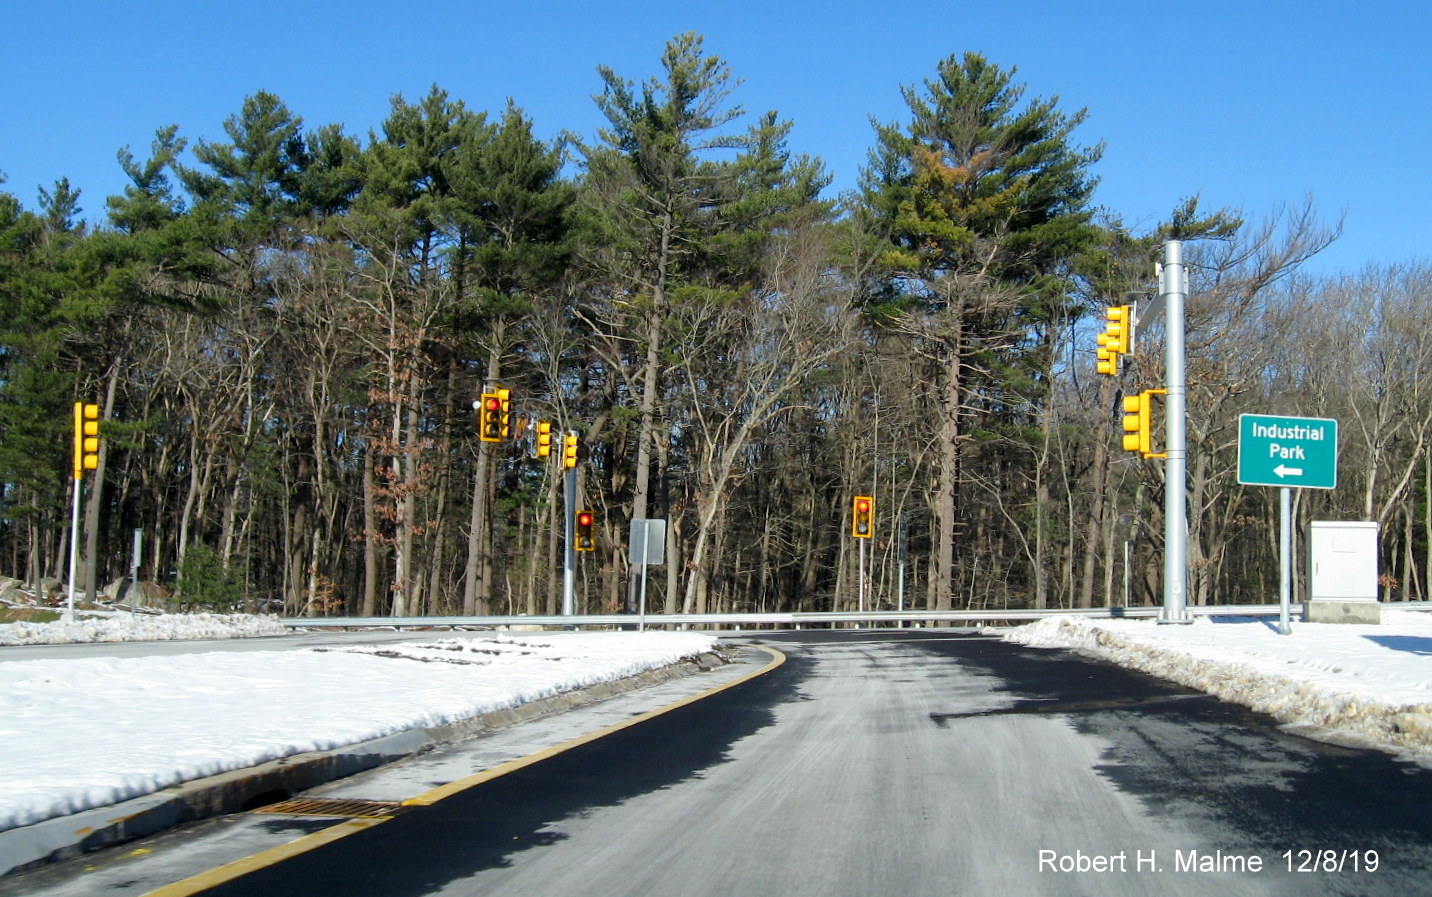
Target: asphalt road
<point>911,763</point>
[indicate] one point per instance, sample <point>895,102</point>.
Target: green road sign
<point>1299,452</point>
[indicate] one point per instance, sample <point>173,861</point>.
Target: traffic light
<point>504,419</point>
<point>582,540</point>
<point>1138,423</point>
<point>542,443</point>
<point>489,417</point>
<point>571,444</point>
<point>1116,340</point>
<point>86,438</point>
<point>862,512</point>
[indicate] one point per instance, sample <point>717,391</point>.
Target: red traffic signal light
<point>862,517</point>
<point>582,540</point>
<point>489,417</point>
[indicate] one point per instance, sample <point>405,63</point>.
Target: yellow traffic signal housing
<point>862,516</point>
<point>86,454</point>
<point>582,540</point>
<point>504,419</point>
<point>489,417</point>
<point>1116,340</point>
<point>1138,423</point>
<point>542,444</point>
<point>571,444</point>
<point>1118,329</point>
<point>1106,361</point>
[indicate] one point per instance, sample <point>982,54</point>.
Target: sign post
<point>134,571</point>
<point>1290,453</point>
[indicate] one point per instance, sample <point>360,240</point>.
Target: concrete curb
<point>246,789</point>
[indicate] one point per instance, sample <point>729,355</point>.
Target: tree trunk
<point>651,384</point>
<point>1101,493</point>
<point>949,450</point>
<point>96,488</point>
<point>476,590</point>
<point>370,534</point>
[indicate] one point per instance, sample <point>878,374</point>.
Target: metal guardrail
<point>756,620</point>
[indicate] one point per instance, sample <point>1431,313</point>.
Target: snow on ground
<point>1358,683</point>
<point>85,732</point>
<point>111,626</point>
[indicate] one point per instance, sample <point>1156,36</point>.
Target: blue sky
<point>1253,105</point>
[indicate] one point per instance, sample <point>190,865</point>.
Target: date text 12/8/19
<point>1330,860</point>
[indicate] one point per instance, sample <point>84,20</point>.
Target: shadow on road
<point>487,825</point>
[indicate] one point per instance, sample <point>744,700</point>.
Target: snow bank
<point>1371,684</point>
<point>86,732</point>
<point>124,628</point>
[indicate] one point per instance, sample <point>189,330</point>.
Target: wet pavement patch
<point>1054,707</point>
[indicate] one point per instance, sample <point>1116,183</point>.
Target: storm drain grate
<point>320,806</point>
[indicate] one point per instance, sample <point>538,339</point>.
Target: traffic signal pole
<point>569,552</point>
<point>1173,288</point>
<point>74,548</point>
<point>862,577</point>
<point>86,457</point>
<point>862,529</point>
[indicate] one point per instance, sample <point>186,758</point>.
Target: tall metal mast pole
<point>1174,287</point>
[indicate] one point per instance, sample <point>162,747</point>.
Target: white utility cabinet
<point>1342,572</point>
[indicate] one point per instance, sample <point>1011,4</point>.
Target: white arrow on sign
<point>1282,471</point>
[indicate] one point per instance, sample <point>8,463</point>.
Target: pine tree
<point>511,213</point>
<point>983,201</point>
<point>255,181</point>
<point>34,390</point>
<point>676,207</point>
<point>402,224</point>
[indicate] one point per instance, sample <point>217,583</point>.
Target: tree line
<point>286,328</point>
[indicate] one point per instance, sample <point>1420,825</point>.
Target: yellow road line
<point>274,855</point>
<point>428,798</point>
<point>230,871</point>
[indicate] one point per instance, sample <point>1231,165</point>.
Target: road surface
<point>915,762</point>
